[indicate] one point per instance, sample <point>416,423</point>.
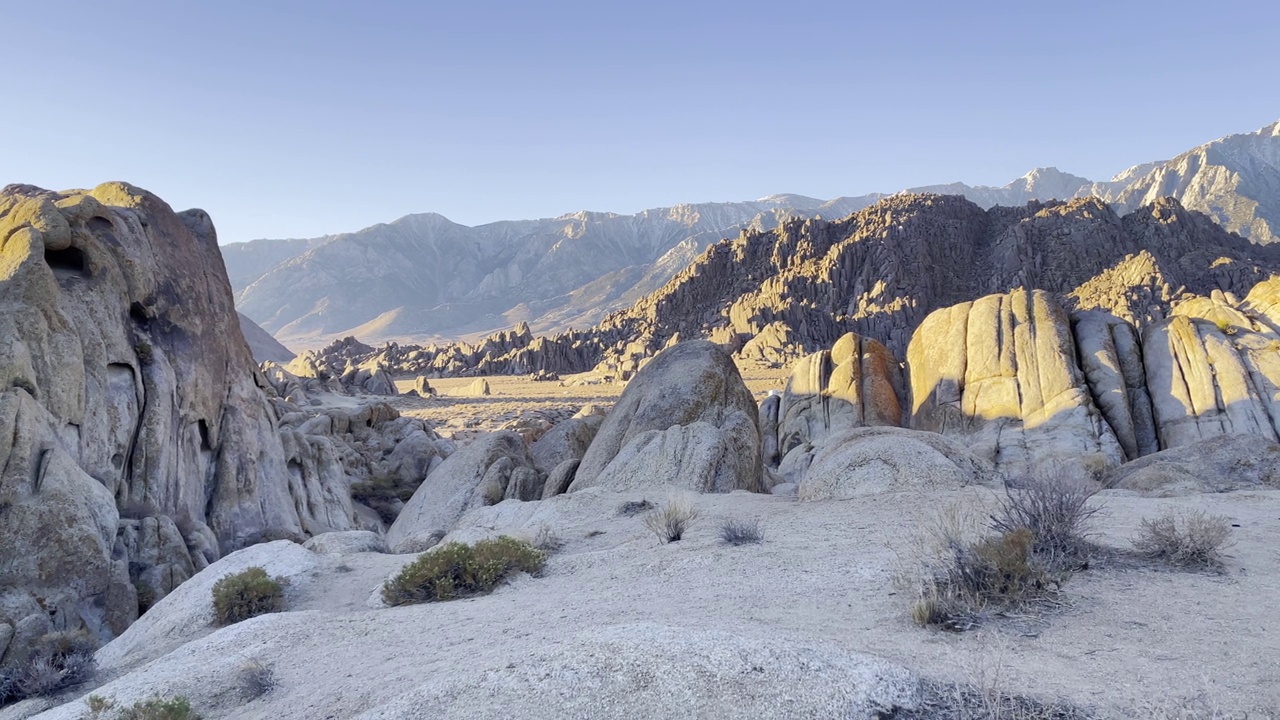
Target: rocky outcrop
<point>686,419</point>
<point>1000,375</point>
<point>870,460</point>
<point>568,440</point>
<point>857,383</point>
<point>771,296</point>
<point>264,347</point>
<point>1218,464</point>
<point>479,474</point>
<point>125,382</point>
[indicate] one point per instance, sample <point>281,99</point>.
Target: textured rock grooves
<point>137,444</point>
<point>1021,383</point>
<point>780,294</point>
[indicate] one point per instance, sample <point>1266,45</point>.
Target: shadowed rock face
<point>125,382</point>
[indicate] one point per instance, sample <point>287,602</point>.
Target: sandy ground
<point>456,414</point>
<point>823,577</point>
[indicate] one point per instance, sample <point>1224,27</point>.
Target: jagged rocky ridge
<point>772,296</point>
<point>424,276</point>
<point>138,441</point>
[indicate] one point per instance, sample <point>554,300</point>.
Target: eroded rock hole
<point>138,313</point>
<point>70,261</point>
<point>203,426</point>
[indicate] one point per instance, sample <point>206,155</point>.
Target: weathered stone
<point>1218,464</point>
<point>524,484</point>
<point>870,460</point>
<point>855,384</point>
<point>560,478</point>
<point>1111,359</point>
<point>1000,375</point>
<point>567,440</point>
<point>686,419</point>
<point>475,475</point>
<point>350,541</point>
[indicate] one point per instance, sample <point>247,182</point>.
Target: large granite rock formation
<point>125,383</point>
<point>857,383</point>
<point>1000,374</point>
<point>687,420</point>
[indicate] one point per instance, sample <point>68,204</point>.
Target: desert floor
<point>621,625</point>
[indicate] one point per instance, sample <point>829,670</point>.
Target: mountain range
<point>426,278</point>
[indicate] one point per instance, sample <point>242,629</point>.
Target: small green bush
<point>177,708</point>
<point>144,351</point>
<point>458,570</point>
<point>246,594</point>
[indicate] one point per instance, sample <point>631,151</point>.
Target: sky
<point>304,118</point>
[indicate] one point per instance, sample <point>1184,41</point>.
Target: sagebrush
<point>671,521</point>
<point>246,594</point>
<point>458,570</point>
<point>253,680</point>
<point>1054,505</point>
<point>741,532</point>
<point>56,661</point>
<point>1192,539</point>
<point>994,574</point>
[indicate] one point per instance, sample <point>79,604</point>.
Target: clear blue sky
<point>294,119</point>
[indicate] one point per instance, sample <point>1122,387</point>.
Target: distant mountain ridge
<point>426,278</point>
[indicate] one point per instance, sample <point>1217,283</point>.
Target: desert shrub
<point>967,701</point>
<point>57,660</point>
<point>741,532</point>
<point>246,594</point>
<point>144,351</point>
<point>1054,506</point>
<point>672,520</point>
<point>1190,540</point>
<point>997,573</point>
<point>254,680</point>
<point>631,508</point>
<point>458,570</point>
<point>384,495</point>
<point>177,708</point>
<point>547,540</point>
